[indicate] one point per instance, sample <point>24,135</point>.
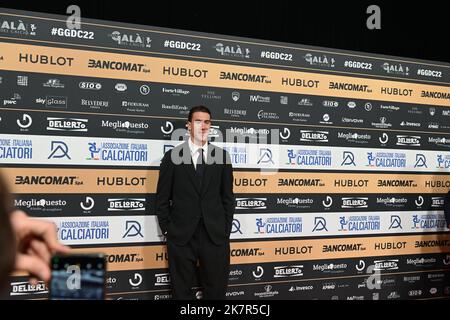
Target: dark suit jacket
<point>181,199</point>
<point>447,208</point>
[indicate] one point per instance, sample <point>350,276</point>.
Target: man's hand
<point>36,242</point>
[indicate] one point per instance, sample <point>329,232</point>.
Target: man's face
<point>199,126</point>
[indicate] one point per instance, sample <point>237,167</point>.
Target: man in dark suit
<point>195,207</point>
<point>447,209</point>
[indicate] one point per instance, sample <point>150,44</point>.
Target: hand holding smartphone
<point>78,277</point>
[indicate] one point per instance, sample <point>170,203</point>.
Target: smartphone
<point>78,277</point>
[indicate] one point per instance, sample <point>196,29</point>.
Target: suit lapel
<point>189,167</point>
<point>207,173</point>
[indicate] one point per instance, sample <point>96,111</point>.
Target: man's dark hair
<point>198,109</point>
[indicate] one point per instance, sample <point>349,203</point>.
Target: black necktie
<point>200,164</point>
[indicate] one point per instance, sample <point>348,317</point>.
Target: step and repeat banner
<point>341,159</point>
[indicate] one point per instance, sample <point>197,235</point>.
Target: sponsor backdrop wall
<point>360,144</point>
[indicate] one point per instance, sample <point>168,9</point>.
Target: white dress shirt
<point>195,152</point>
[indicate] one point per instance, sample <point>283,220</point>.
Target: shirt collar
<point>194,148</point>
